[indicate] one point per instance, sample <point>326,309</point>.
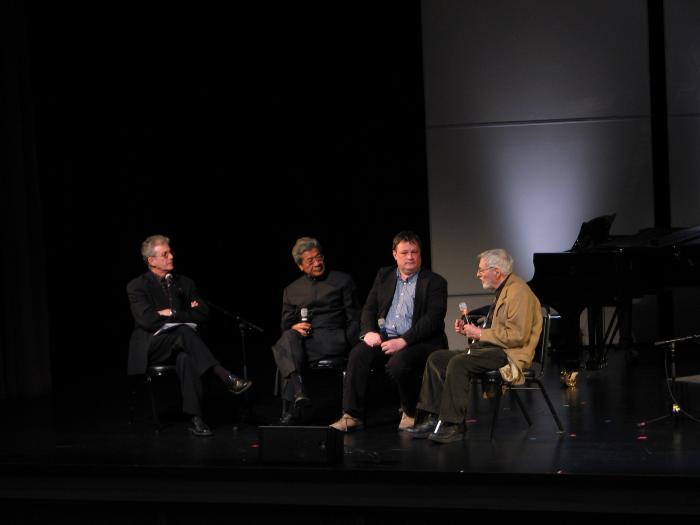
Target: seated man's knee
<point>360,352</point>
<point>397,367</point>
<point>458,364</point>
<point>440,358</point>
<point>184,332</point>
<point>289,336</point>
<point>435,358</point>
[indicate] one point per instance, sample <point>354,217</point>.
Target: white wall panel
<point>516,60</point>
<point>528,189</point>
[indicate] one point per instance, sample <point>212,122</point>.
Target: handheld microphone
<point>465,317</point>
<point>382,328</point>
<point>304,312</point>
<point>465,312</point>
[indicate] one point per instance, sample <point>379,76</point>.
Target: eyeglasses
<point>315,258</point>
<point>482,271</point>
<point>165,254</point>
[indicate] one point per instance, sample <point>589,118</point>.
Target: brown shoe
<point>347,423</point>
<point>406,422</point>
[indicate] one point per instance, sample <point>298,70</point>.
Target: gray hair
<point>497,258</point>
<point>150,243</point>
<point>304,244</point>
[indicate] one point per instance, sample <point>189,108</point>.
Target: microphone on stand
<point>382,328</point>
<point>169,279</point>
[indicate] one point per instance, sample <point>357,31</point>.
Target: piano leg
<point>565,338</point>
<point>597,358</point>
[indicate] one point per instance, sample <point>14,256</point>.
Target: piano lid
<point>593,233</point>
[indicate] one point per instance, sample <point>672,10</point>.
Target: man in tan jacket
<point>506,342</point>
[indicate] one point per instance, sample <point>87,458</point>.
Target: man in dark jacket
<point>320,318</point>
<point>167,309</point>
<point>403,322</point>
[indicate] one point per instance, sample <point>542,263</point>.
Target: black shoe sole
<point>454,438</point>
<point>446,441</point>
<point>200,434</point>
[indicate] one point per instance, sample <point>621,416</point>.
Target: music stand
<point>676,410</point>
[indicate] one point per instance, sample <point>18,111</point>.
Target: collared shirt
<point>399,319</point>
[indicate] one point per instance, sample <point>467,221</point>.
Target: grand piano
<point>611,270</point>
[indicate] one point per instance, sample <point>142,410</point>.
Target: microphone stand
<point>676,410</point>
<point>243,326</point>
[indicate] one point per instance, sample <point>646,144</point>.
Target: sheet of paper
<point>168,326</point>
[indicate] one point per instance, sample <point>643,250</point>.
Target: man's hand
<point>303,328</point>
<point>394,345</point>
<point>167,312</point>
<point>372,339</point>
<point>459,324</point>
<point>471,331</point>
<point>194,304</point>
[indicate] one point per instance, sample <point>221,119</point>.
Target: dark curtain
<point>25,363</point>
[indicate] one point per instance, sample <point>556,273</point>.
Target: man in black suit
<point>403,322</point>
<point>320,318</point>
<point>166,310</point>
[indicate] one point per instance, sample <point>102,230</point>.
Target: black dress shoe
<point>301,400</point>
<point>424,428</point>
<point>238,385</point>
<point>449,433</point>
<point>289,418</point>
<point>198,427</point>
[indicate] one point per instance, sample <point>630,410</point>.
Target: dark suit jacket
<point>429,307</point>
<point>146,296</point>
<point>334,311</point>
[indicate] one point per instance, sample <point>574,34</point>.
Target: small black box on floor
<point>292,444</point>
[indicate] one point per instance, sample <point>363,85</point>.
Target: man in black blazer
<point>320,319</point>
<point>403,322</point>
<point>167,309</point>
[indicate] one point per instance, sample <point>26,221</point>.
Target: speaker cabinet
<point>296,444</point>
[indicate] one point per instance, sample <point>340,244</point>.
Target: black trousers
<point>292,351</point>
<point>405,368</point>
<point>447,379</point>
<point>192,359</point>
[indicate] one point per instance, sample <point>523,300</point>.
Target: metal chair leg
<point>524,411</point>
<point>496,408</point>
<point>550,405</point>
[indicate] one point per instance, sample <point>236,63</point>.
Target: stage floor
<point>603,465</point>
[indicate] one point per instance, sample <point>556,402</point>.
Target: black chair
<point>336,364</point>
<point>533,378</point>
<point>147,381</point>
